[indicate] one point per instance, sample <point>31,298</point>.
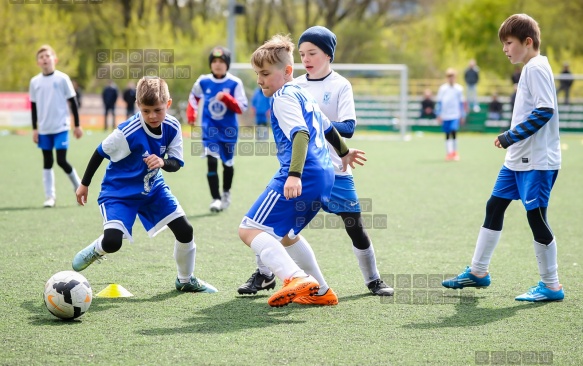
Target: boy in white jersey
<point>450,111</point>
<point>134,185</point>
<point>533,160</point>
<point>49,92</point>
<point>223,98</point>
<point>334,96</point>
<point>305,177</point>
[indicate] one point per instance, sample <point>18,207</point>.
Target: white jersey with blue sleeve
<point>293,110</point>
<point>336,99</point>
<point>127,176</point>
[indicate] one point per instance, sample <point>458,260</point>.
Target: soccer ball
<point>68,295</point>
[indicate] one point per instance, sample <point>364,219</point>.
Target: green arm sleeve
<point>333,137</point>
<point>299,152</point>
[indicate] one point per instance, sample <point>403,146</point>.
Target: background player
<point>134,185</point>
<point>49,92</point>
<point>533,160</point>
<point>450,111</point>
<point>223,97</point>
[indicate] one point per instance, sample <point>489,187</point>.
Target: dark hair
<point>522,27</point>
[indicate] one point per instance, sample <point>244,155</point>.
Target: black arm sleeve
<point>171,165</point>
<point>34,115</point>
<point>333,137</point>
<point>92,167</point>
<point>74,110</point>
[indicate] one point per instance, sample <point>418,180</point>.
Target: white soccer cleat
<point>215,206</point>
<point>49,202</point>
<point>225,200</point>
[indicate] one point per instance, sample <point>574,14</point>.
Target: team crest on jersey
<point>217,108</point>
<point>327,96</point>
<point>162,150</point>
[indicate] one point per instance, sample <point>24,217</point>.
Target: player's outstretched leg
<point>87,256</point>
<point>467,279</point>
<point>257,282</point>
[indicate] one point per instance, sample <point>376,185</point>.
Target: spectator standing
<point>109,95</point>
<point>129,96</point>
<point>566,82</point>
<point>472,77</point>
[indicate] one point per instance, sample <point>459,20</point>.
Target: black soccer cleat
<point>379,288</point>
<point>257,282</point>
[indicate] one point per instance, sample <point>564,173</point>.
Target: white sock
<point>98,246</point>
<point>448,146</point>
<point>367,263</point>
<point>262,267</point>
<point>546,257</point>
<point>184,255</point>
<point>49,183</point>
<point>301,252</point>
<point>74,178</point>
<point>454,145</point>
<point>275,257</point>
<point>485,245</point>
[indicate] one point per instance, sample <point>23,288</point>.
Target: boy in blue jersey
<point>533,160</point>
<point>335,99</point>
<point>133,184</point>
<point>305,178</point>
<point>223,98</point>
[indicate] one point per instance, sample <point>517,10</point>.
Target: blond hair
<point>278,51</point>
<point>46,48</point>
<point>151,91</point>
<point>520,26</point>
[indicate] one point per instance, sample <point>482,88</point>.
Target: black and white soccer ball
<point>68,295</point>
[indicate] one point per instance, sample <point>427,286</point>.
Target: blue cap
<point>322,37</point>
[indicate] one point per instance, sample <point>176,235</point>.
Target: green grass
<point>434,210</point>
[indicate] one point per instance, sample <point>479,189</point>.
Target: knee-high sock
<point>275,257</point>
<point>74,178</point>
<point>184,255</point>
<point>485,245</point>
<point>49,183</point>
<point>262,267</point>
<point>301,252</point>
<point>546,258</point>
<point>367,263</point>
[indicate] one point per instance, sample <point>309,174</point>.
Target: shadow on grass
<point>241,313</point>
<point>33,208</point>
<point>469,315</point>
<point>41,316</point>
<point>200,216</point>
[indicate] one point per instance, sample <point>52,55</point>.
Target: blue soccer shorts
<point>225,151</point>
<point>278,216</point>
<point>532,187</point>
<point>57,141</point>
<point>451,125</point>
<point>343,197</point>
<point>155,211</point>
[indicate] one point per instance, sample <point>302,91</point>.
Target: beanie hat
<point>222,53</point>
<point>322,37</point>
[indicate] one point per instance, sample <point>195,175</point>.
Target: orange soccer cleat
<point>329,298</point>
<point>292,288</point>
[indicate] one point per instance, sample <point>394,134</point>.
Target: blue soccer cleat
<point>85,257</point>
<point>467,279</point>
<point>541,293</point>
<point>195,285</point>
